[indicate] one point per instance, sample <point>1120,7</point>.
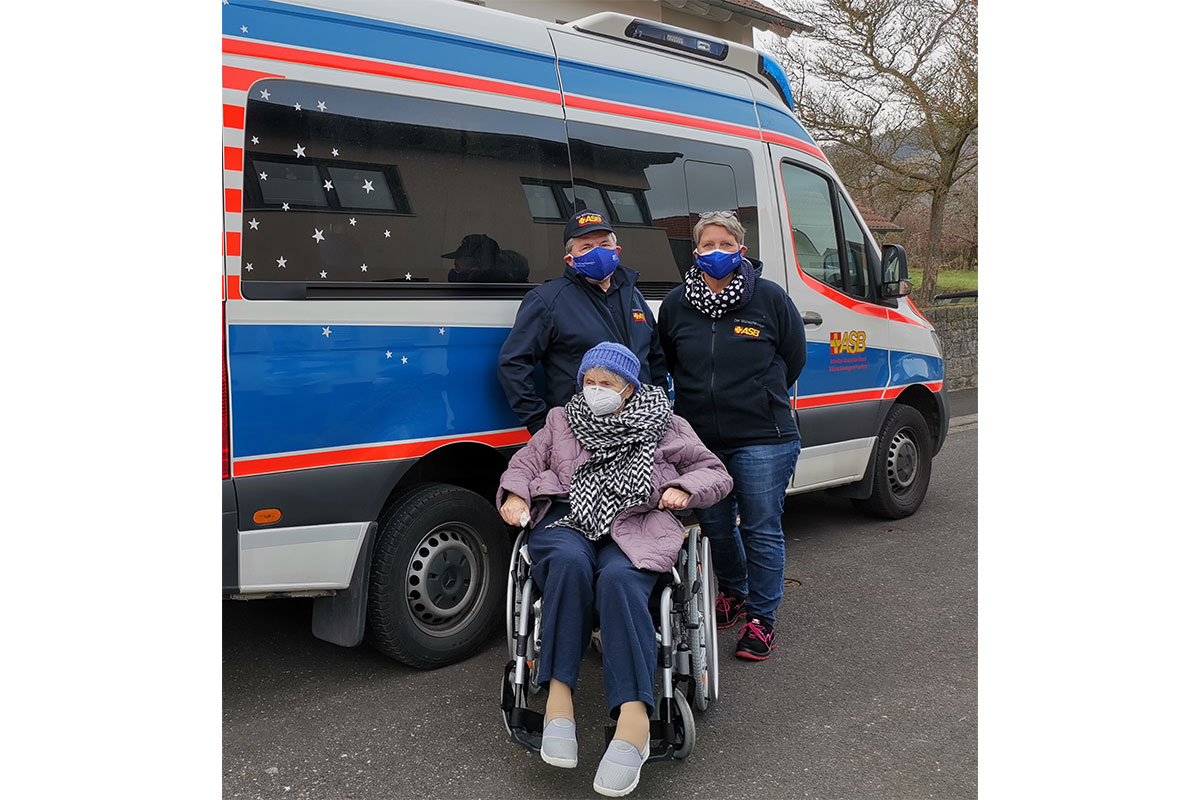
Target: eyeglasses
<point>721,214</point>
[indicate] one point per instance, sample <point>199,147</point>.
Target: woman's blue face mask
<point>597,263</point>
<point>718,263</point>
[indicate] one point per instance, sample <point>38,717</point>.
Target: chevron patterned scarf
<point>616,475</point>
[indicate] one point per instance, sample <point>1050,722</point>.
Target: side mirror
<point>895,272</point>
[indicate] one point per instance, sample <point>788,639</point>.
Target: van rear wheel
<point>437,577</point>
<point>903,460</point>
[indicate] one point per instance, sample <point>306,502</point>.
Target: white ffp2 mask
<point>602,400</point>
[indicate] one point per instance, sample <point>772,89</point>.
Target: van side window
<point>856,250</point>
<point>349,185</point>
<point>814,233</point>
<point>655,188</point>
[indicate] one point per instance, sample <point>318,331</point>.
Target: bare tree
<point>894,85</point>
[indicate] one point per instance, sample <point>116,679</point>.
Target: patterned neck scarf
<point>714,305</point>
<point>616,475</point>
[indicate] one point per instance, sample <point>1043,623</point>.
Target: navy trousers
<point>580,578</point>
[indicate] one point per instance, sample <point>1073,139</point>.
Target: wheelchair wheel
<point>702,639</point>
<point>513,613</point>
<point>708,594</point>
<point>685,723</point>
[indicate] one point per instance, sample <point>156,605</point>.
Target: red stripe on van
<point>233,158</point>
<point>835,399</point>
<point>234,116</point>
<point>917,311</point>
<point>233,287</point>
<point>388,69</point>
<point>359,455</point>
<point>242,79</point>
<point>792,141</point>
<point>233,201</point>
<point>233,244</point>
<point>576,101</point>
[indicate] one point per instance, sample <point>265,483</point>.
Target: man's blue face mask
<point>718,263</point>
<point>597,263</point>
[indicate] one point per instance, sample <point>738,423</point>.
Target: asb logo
<point>588,219</point>
<point>847,342</point>
<point>745,330</point>
<point>639,316</point>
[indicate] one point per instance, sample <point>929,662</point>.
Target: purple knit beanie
<point>614,357</point>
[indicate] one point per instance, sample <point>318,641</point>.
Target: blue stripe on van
<point>825,373</point>
<point>916,368</point>
<point>642,90</point>
<point>389,41</point>
<point>292,388</point>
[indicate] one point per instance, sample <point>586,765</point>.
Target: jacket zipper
<point>771,413</point>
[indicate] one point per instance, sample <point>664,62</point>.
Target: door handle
<point>811,318</point>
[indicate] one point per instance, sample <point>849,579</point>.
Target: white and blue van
<point>396,177</point>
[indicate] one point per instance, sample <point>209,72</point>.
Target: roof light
<point>678,39</point>
<point>771,70</point>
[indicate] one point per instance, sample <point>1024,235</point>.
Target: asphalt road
<point>871,694</point>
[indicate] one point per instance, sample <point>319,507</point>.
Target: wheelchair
<point>683,605</point>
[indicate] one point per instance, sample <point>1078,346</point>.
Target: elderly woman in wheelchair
<point>598,486</point>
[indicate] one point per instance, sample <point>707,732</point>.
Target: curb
<point>967,422</point>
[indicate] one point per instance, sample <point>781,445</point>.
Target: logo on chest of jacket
<point>639,316</point>
<point>746,330</point>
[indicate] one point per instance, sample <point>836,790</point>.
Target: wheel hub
<point>903,461</point>
<point>442,577</point>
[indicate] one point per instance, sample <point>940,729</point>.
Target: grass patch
<point>948,280</point>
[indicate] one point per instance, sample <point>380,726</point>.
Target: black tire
<point>437,577</point>
<point>903,458</point>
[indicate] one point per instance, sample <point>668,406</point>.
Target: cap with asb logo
<point>583,222</point>
<point>474,244</point>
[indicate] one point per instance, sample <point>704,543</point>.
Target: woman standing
<point>598,484</point>
<point>734,343</point>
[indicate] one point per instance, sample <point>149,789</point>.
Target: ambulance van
<point>396,177</point>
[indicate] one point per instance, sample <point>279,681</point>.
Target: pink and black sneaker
<point>729,609</point>
<point>756,641</point>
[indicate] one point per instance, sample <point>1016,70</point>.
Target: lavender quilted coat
<point>541,471</point>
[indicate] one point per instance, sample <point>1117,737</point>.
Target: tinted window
<point>856,253</point>
<point>810,212</point>
<point>672,181</point>
<point>381,187</point>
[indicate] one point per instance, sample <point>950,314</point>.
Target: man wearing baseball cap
<point>594,301</point>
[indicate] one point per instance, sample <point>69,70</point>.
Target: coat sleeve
<point>792,345</point>
<point>530,461</point>
<point>520,353</point>
<point>701,474</point>
<point>658,361</point>
<point>662,331</point>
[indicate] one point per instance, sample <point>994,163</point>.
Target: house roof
<point>876,223</point>
<point>756,10</point>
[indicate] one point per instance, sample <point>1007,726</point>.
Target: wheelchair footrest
<point>663,741</point>
<point>526,728</point>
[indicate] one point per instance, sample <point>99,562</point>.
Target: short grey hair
<point>571,242</point>
<point>605,372</point>
<point>726,219</point>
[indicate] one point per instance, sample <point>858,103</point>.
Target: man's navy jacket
<point>561,320</point>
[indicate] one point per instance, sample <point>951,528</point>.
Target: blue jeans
<point>579,579</point>
<point>748,559</point>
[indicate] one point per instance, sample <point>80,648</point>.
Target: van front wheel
<point>437,576</point>
<point>903,459</point>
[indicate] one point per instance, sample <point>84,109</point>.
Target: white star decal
<point>318,235</point>
<point>282,262</point>
<point>265,94</point>
<point>321,104</point>
<point>297,106</point>
<point>368,187</point>
<point>335,152</point>
<point>323,273</point>
<point>328,185</point>
<point>442,331</point>
<point>387,234</point>
<point>325,332</point>
<point>389,354</point>
<point>403,359</point>
<point>299,151</point>
<point>353,221</point>
<point>250,266</point>
<point>253,140</point>
<point>286,207</point>
<point>245,29</point>
<point>408,276</point>
<point>364,267</point>
<point>254,224</point>
<point>262,176</point>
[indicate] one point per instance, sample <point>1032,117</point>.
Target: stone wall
<point>958,328</point>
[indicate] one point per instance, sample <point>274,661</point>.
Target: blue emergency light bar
<point>678,39</point>
<point>769,68</point>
